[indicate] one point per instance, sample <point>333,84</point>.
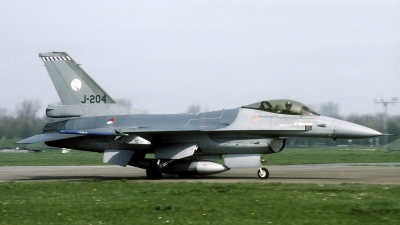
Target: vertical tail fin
<point>79,93</point>
<point>73,84</point>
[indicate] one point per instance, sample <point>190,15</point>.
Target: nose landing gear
<point>263,173</point>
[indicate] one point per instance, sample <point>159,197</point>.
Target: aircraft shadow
<point>309,178</point>
<point>168,178</point>
<point>136,178</point>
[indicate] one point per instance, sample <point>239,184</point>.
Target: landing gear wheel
<point>263,173</point>
<point>154,172</point>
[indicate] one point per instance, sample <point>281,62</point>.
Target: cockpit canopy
<point>282,106</point>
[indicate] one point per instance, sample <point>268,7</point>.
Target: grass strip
<point>52,158</point>
<point>124,202</point>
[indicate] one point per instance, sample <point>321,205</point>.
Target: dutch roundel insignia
<point>76,84</point>
<point>110,121</point>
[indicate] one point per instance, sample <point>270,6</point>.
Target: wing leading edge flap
<point>176,150</point>
<point>117,157</point>
<point>47,137</point>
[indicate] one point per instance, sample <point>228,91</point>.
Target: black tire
<point>263,174</point>
<point>153,172</point>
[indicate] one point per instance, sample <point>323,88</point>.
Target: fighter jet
<point>181,144</point>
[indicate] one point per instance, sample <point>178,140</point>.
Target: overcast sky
<point>166,55</point>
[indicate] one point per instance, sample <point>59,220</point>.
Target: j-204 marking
<point>94,99</point>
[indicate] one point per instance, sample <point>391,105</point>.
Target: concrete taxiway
<point>386,173</point>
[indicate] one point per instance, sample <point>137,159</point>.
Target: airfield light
<point>385,106</point>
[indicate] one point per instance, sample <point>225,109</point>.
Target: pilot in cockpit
<point>288,107</point>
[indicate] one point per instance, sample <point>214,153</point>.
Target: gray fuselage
<point>232,131</point>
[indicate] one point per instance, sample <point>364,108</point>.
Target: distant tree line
<point>24,122</point>
<point>21,123</point>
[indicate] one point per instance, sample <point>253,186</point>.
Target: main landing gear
<point>263,173</point>
<point>154,172</point>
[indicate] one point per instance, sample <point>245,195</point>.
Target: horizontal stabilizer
<point>47,137</point>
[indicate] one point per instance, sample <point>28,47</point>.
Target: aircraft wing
<point>124,132</point>
<point>47,137</point>
<point>66,134</point>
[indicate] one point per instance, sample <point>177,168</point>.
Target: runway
<point>385,173</point>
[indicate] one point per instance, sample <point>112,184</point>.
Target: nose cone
<point>343,129</point>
